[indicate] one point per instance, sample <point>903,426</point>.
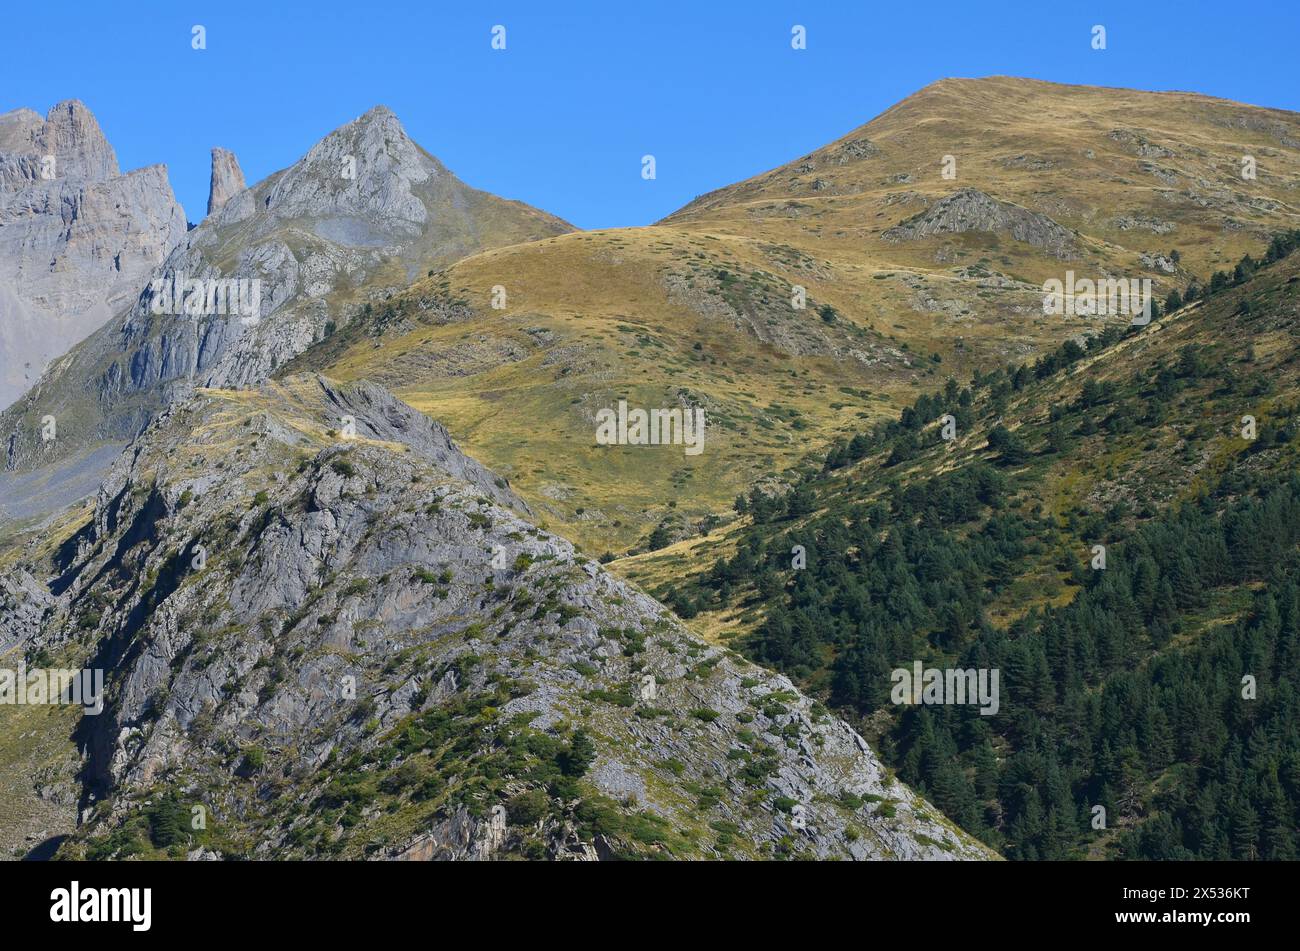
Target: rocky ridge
<point>358,646</point>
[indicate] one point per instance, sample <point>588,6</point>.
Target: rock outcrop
<point>227,179</point>
<point>23,605</point>
<point>970,209</point>
<point>77,239</point>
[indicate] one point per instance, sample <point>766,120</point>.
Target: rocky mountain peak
<point>69,135</point>
<point>73,136</point>
<point>227,179</point>
<point>366,169</point>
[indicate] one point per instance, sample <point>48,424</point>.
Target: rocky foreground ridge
<point>334,635</point>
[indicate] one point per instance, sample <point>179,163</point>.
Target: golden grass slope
<point>1131,171</point>
<point>697,310</point>
<point>648,315</point>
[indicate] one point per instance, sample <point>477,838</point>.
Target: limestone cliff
<point>77,238</point>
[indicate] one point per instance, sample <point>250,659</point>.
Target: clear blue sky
<point>584,89</point>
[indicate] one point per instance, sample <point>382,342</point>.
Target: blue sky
<point>561,118</point>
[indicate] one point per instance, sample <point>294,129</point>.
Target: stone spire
<point>227,179</point>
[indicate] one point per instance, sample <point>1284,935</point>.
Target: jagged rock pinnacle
<point>227,179</point>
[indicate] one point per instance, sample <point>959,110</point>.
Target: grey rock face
<point>372,561</point>
<point>23,605</point>
<point>368,171</point>
<point>72,135</point>
<point>377,414</point>
<point>19,133</point>
<point>68,143</point>
<point>77,239</point>
<point>227,179</point>
<point>972,210</point>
